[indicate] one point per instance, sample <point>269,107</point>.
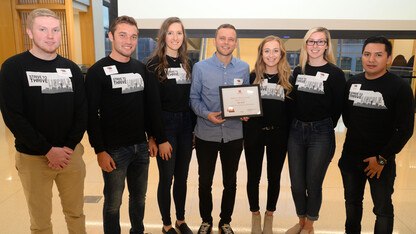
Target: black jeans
<point>255,140</point>
<point>178,128</point>
<point>207,152</point>
<point>381,191</point>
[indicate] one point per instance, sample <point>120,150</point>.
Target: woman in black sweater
<point>172,69</point>
<point>318,94</point>
<point>272,72</point>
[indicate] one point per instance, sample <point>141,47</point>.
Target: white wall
<point>276,14</point>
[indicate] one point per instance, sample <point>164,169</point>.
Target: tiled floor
<point>15,219</point>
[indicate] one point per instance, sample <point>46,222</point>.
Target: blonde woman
<point>318,93</point>
<point>270,132</point>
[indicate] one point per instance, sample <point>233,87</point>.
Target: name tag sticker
<point>322,75</point>
<point>110,70</point>
<point>355,87</point>
<point>238,81</point>
<point>64,72</point>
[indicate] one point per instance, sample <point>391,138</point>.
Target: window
<point>349,55</point>
<point>106,19</point>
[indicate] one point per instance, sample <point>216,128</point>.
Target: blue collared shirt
<point>207,76</point>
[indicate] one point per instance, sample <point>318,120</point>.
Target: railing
<point>23,2</point>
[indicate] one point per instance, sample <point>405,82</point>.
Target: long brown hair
<point>283,67</point>
<point>328,55</point>
<point>160,52</point>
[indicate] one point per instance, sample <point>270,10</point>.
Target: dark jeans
<point>178,128</point>
<point>381,192</point>
<point>310,150</point>
<point>255,140</point>
<point>132,162</point>
<point>207,152</point>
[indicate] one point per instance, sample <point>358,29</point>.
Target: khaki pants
<point>37,181</point>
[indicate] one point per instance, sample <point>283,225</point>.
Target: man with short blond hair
<point>42,99</point>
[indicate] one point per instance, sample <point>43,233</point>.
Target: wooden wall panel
<point>87,37</point>
<point>7,35</point>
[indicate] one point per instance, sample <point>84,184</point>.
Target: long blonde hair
<point>160,52</point>
<point>283,67</point>
<point>328,55</point>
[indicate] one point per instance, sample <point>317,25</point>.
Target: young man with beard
<point>123,105</point>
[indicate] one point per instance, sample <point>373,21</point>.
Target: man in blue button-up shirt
<point>213,133</point>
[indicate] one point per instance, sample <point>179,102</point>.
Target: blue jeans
<point>311,147</point>
<point>132,162</point>
<point>381,192</point>
<point>178,128</point>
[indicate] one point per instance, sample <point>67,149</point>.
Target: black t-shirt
<point>318,96</point>
<point>43,102</point>
<point>123,104</point>
<point>379,115</point>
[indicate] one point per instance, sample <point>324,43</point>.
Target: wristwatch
<point>381,161</point>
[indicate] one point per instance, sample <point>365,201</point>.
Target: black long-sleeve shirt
<point>174,90</point>
<point>379,115</point>
<point>319,98</point>
<point>274,102</point>
<point>174,93</point>
<point>41,108</point>
<point>123,104</point>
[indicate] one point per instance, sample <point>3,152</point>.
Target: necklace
<point>268,76</point>
<point>174,59</point>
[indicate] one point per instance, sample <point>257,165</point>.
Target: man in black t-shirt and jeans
<point>378,113</point>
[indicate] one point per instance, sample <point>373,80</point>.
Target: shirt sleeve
<point>338,87</point>
<point>346,105</point>
<point>247,75</point>
<point>12,108</point>
<point>197,105</point>
<point>94,91</point>
<point>153,109</point>
<point>80,118</point>
<point>403,122</point>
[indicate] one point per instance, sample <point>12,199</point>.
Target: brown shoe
<point>268,224</point>
<point>255,223</point>
<point>307,232</point>
<point>295,229</point>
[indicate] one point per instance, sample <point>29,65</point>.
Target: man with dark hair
<point>121,99</point>
<point>378,113</point>
<point>213,133</point>
<point>42,99</point>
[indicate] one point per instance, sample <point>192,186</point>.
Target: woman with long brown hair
<point>172,69</point>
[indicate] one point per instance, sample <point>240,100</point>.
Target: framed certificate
<point>240,101</point>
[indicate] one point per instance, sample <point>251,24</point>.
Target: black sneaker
<point>183,228</point>
<point>170,231</point>
<point>205,228</point>
<point>226,229</point>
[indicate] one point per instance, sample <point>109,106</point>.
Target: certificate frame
<point>240,101</point>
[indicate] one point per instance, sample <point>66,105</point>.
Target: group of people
<point>163,109</point>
